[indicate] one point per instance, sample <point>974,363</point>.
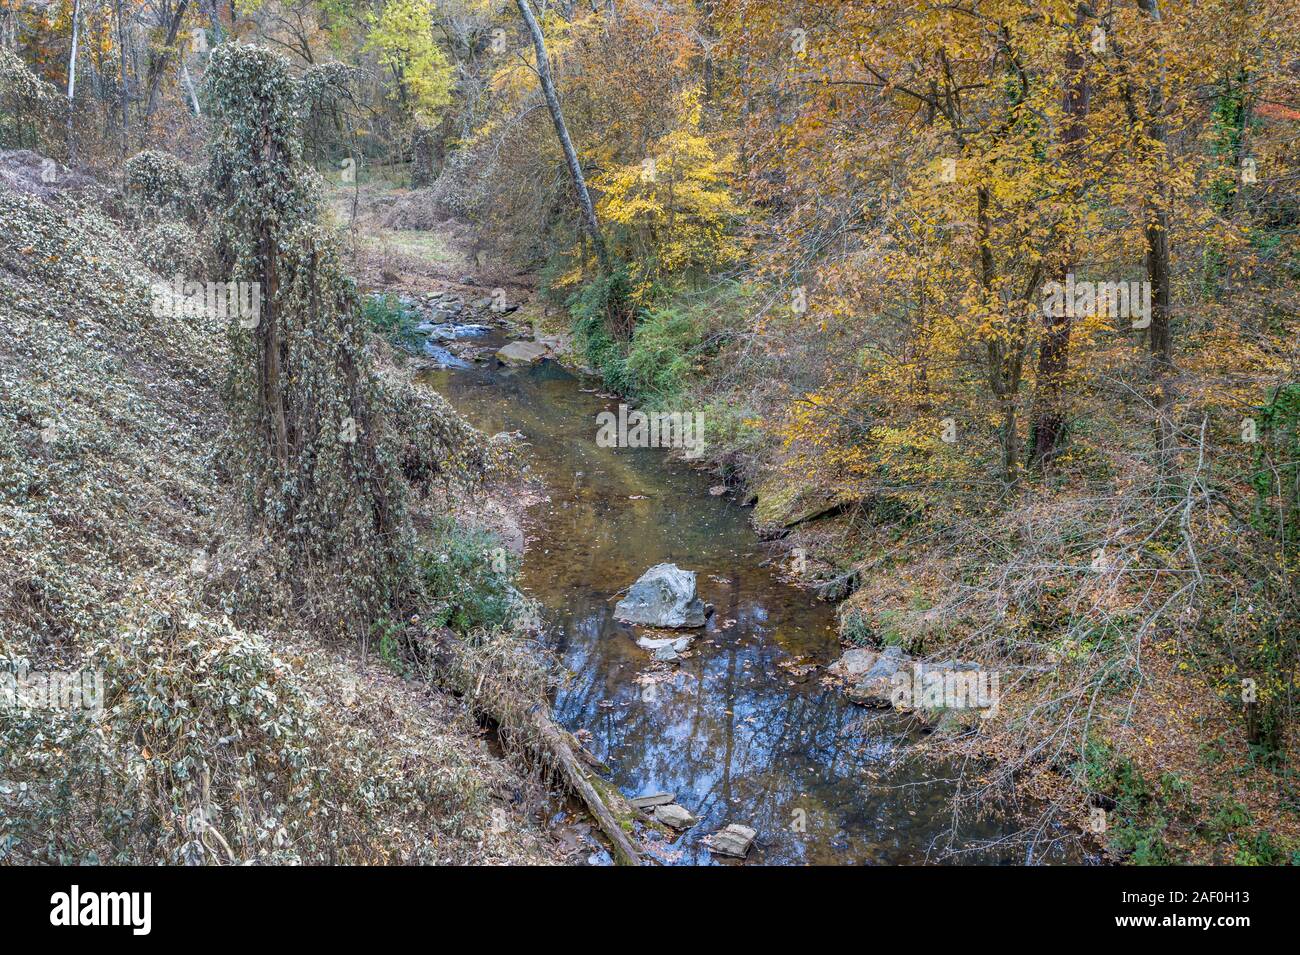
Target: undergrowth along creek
<point>671,359</point>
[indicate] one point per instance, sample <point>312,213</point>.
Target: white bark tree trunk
<point>562,133</point>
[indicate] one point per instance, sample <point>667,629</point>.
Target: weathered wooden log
<point>603,803</point>
<point>841,587</point>
<point>451,662</point>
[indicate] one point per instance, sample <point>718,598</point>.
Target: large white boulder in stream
<point>663,597</point>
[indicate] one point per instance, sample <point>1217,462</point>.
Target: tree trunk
<point>562,133</point>
<point>189,86</point>
<point>1048,431</point>
<point>156,66</point>
<point>72,81</point>
<point>121,51</point>
<point>1156,214</point>
<point>270,384</point>
<point>422,155</point>
<point>1004,358</point>
<point>214,18</point>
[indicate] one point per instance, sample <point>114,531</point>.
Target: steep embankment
<point>123,555</point>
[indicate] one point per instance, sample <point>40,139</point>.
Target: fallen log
<point>610,810</point>
<point>468,671</point>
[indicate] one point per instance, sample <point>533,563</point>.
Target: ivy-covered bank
<point>237,524</point>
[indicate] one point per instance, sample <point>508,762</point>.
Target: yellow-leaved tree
<point>673,212</point>
<point>402,36</point>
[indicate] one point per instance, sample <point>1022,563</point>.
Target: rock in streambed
<point>664,596</point>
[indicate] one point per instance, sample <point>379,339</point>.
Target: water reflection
<point>733,734</point>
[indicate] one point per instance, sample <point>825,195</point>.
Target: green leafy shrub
<point>468,577</point>
<point>674,342</point>
<point>668,346</point>
<point>162,184</point>
<point>1277,463</point>
<point>855,629</point>
<point>387,635</point>
<point>1136,826</point>
<point>665,351</point>
<point>1264,849</point>
<point>392,321</point>
<point>596,307</point>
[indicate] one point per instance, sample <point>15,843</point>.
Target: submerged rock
<point>675,816</point>
<point>734,841</point>
<point>663,597</point>
<point>450,331</point>
<point>442,357</point>
<point>522,353</point>
<point>665,648</point>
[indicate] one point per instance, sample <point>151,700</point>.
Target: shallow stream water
<point>735,735</point>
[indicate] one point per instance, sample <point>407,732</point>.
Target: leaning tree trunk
<point>157,66</point>
<point>562,133</point>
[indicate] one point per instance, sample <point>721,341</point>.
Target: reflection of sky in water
<point>737,738</point>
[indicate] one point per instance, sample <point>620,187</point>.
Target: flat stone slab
<point>651,800</point>
<point>680,644</point>
<point>522,353</point>
<point>733,841</point>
